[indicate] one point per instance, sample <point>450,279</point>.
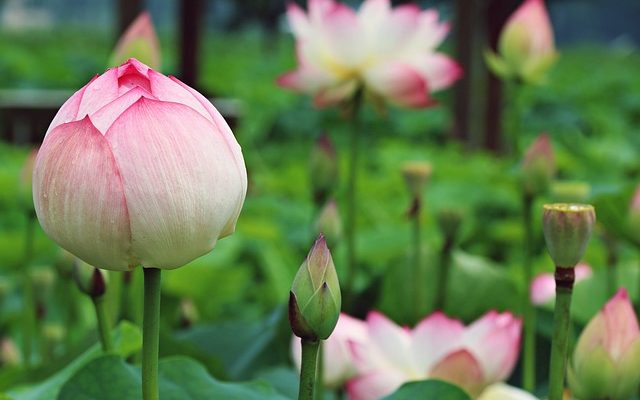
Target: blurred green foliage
<point>590,108</point>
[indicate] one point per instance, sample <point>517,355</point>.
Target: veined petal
<point>494,339</point>
<point>460,368</point>
<point>373,13</point>
<point>104,117</point>
<point>343,37</point>
<point>167,89</point>
<point>430,33</point>
<point>621,324</point>
<point>69,110</point>
<point>433,338</point>
<point>375,385</point>
<point>90,221</point>
<point>173,171</point>
<point>393,341</point>
<point>99,92</point>
<point>298,21</point>
<point>400,83</point>
<point>396,32</point>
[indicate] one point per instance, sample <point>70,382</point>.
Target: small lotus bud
<point>9,353</point>
<point>329,223</point>
<point>538,166</point>
<point>138,41</point>
<point>449,221</point>
<point>90,280</point>
<point>570,191</point>
<point>188,313</point>
<point>567,229</point>
<point>324,169</point>
<point>314,300</point>
<point>416,176</point>
<point>606,360</point>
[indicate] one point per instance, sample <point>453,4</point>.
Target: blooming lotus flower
<point>138,168</point>
<point>543,286</point>
<point>471,357</point>
<point>526,46</point>
<point>390,52</point>
<point>500,391</point>
<point>606,361</point>
<point>338,365</point>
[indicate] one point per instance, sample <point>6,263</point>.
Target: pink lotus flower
<point>543,286</point>
<point>526,44</point>
<point>471,357</point>
<point>138,168</point>
<point>388,51</point>
<point>338,366</point>
<point>606,361</point>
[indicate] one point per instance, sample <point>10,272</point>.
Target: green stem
<point>350,228</point>
<point>529,311</point>
<point>319,395</point>
<point>560,338</point>
<point>443,274</point>
<point>151,333</point>
<point>308,368</point>
<point>29,312</point>
<point>104,324</point>
<point>417,275</point>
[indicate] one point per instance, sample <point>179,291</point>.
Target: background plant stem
<point>308,368</point>
<point>529,311</point>
<point>350,229</point>
<point>560,338</point>
<point>104,322</point>
<point>29,312</point>
<point>418,279</point>
<point>151,333</point>
<point>443,274</point>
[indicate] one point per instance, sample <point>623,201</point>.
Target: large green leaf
<point>127,340</point>
<point>180,378</point>
<point>430,389</point>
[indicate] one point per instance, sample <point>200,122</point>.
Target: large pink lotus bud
<point>606,361</point>
<point>138,168</point>
<point>337,364</point>
<point>526,44</point>
<point>390,52</point>
<point>438,347</point>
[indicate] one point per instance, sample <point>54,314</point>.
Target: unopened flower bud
<point>570,191</point>
<point>606,360</point>
<point>9,353</point>
<point>449,221</point>
<point>324,169</point>
<point>567,229</point>
<point>538,166</point>
<point>90,280</point>
<point>416,176</point>
<point>188,313</point>
<point>329,223</point>
<point>315,301</point>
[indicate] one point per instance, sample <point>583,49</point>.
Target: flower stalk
<point>151,333</point>
<point>29,312</point>
<point>560,340</point>
<point>104,326</point>
<point>350,229</point>
<point>308,369</point>
<point>529,311</point>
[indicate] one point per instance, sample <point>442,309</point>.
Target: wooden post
<point>128,10</point>
<point>190,29</point>
<point>464,27</point>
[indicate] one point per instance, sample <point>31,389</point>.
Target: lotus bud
<point>90,280</point>
<point>188,313</point>
<point>526,45</point>
<point>324,169</point>
<point>567,229</point>
<point>9,353</point>
<point>138,41</point>
<point>449,221</point>
<point>315,301</point>
<point>538,166</point>
<point>329,223</point>
<point>606,361</point>
<point>570,191</point>
<point>416,176</point>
